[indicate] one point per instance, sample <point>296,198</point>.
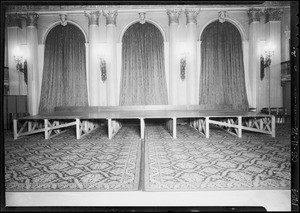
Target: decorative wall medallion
<point>222,16</point>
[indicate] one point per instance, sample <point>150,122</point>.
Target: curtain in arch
<point>222,80</point>
<point>143,80</point>
<point>64,73</point>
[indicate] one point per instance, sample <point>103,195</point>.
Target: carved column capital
<point>31,19</point>
<point>273,14</point>
<point>191,15</point>
<point>93,17</point>
<point>111,16</point>
<point>13,20</point>
<point>174,16</point>
<point>254,15</point>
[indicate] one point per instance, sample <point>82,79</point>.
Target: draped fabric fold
<point>64,74</point>
<point>222,80</point>
<point>143,80</point>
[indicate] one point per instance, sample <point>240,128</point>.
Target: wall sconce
<point>103,69</point>
<point>183,51</point>
<point>182,68</point>
<point>21,65</point>
<point>265,61</point>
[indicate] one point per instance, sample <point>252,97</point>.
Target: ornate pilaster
<point>13,20</point>
<point>273,14</point>
<point>191,42</point>
<point>254,15</point>
<point>93,17</point>
<point>191,15</point>
<point>174,16</point>
<point>111,17</point>
<point>222,16</point>
<point>31,19</point>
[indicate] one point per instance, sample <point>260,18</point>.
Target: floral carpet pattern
<point>66,164</point>
<point>222,162</point>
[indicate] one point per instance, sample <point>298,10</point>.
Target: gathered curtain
<point>64,73</point>
<point>222,80</point>
<point>143,80</point>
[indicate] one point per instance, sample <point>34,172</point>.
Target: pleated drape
<point>222,80</point>
<point>143,80</point>
<point>64,73</point>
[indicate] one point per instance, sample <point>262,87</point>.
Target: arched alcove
<point>143,80</point>
<point>238,25</point>
<point>64,70</point>
<point>222,76</point>
<point>146,20</point>
<point>59,23</point>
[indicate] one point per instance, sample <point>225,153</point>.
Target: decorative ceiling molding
<point>69,9</point>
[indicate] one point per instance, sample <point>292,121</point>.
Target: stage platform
<point>86,119</point>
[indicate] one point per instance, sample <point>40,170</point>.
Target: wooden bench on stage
<point>200,117</point>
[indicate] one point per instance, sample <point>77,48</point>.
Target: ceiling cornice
<point>77,9</point>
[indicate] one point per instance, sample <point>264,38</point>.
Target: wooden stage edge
<point>234,122</point>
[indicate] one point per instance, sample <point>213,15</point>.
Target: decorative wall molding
<point>31,19</point>
<point>273,14</point>
<point>13,20</point>
<point>254,15</point>
<point>142,16</point>
<point>63,19</point>
<point>93,17</point>
<point>191,15</point>
<point>174,16</point>
<point>222,16</point>
<point>111,17</point>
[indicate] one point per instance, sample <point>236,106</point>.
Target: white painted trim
<point>147,20</point>
<point>58,23</point>
<point>236,23</point>
<point>167,69</point>
<point>87,71</point>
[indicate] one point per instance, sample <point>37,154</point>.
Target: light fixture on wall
<point>182,68</point>
<point>103,69</point>
<point>182,49</point>
<point>103,54</point>
<point>265,62</point>
<point>265,59</point>
<point>21,64</point>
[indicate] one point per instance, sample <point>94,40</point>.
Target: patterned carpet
<point>222,162</point>
<point>191,162</point>
<point>63,163</point>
